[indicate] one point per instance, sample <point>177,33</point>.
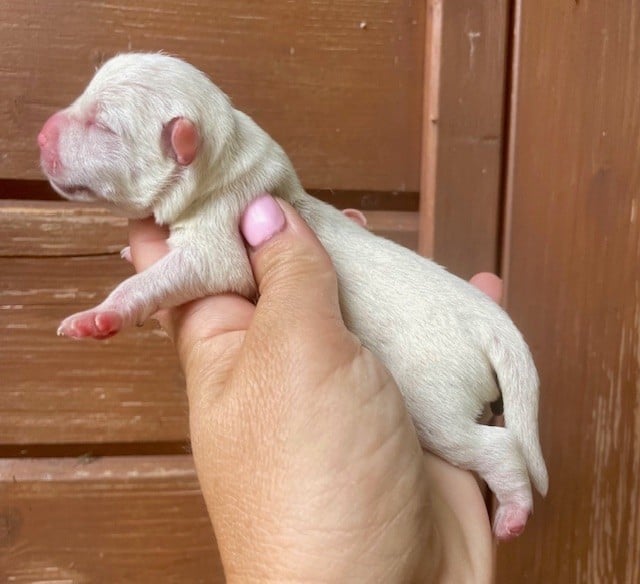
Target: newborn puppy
<point>152,135</point>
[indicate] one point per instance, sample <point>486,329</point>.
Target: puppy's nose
<point>48,139</point>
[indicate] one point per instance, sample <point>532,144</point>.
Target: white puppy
<point>152,135</point>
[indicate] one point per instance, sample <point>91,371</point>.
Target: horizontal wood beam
<point>336,83</point>
<point>57,258</point>
<point>114,519</point>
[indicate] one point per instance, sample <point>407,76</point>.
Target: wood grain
<point>338,84</point>
<point>430,111</point>
<point>34,228</point>
<point>117,519</point>
<point>463,134</point>
<point>57,258</point>
<point>573,278</point>
<point>40,190</point>
<point>127,389</point>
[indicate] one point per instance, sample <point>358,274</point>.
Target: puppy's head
<point>137,136</point>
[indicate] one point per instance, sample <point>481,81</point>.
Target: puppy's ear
<point>180,140</point>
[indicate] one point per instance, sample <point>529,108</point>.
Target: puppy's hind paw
<point>94,324</point>
<point>510,520</point>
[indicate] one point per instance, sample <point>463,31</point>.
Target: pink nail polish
<point>262,219</point>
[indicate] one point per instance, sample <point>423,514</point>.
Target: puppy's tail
<point>518,379</point>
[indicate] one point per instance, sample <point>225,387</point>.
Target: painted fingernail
<point>262,219</point>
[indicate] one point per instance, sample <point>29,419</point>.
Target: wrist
<point>422,563</point>
<point>400,548</point>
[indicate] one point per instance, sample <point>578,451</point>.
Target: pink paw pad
<point>510,521</point>
<point>93,324</point>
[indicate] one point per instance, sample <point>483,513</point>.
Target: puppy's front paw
<point>96,324</point>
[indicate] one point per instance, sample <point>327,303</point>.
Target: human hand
<point>308,461</point>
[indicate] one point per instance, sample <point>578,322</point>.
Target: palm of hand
<point>302,443</point>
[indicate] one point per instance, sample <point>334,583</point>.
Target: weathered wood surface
<point>61,228</point>
<point>573,280</point>
<point>35,228</point>
<point>463,141</point>
<point>337,83</point>
<point>117,519</point>
<point>57,258</point>
<point>367,200</point>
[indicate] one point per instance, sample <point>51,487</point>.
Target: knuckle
<point>291,263</point>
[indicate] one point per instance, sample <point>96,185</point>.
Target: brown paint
<point>343,101</point>
<point>463,131</point>
<point>572,264</point>
<point>57,258</point>
<point>117,519</point>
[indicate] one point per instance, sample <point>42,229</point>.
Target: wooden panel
<point>78,230</point>
<point>573,268</point>
<point>127,389</point>
<point>401,227</point>
<point>337,83</point>
<point>57,258</point>
<point>59,229</point>
<point>463,139</point>
<point>125,519</point>
<point>40,190</point>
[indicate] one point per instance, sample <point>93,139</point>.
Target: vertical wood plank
<point>431,102</point>
<point>464,102</point>
<point>573,272</point>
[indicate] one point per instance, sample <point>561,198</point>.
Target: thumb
<point>294,273</point>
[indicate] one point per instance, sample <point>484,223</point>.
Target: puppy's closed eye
<point>100,125</point>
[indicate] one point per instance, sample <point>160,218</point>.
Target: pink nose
<point>48,139</point>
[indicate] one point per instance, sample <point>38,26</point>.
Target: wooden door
<point>572,265</point>
<point>557,205</point>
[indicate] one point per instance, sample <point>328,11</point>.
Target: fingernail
<point>262,219</point>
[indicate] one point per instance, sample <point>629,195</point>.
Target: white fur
<point>441,338</point>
